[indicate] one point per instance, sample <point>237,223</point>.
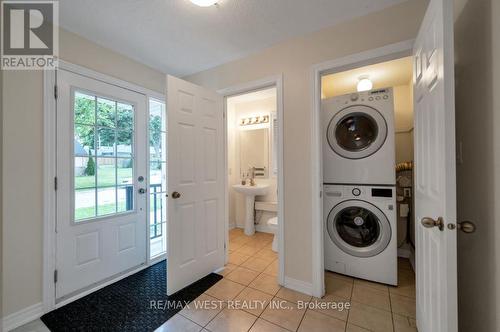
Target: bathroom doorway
<point>254,217</point>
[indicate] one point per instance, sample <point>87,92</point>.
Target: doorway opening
<point>254,206</point>
<point>366,149</point>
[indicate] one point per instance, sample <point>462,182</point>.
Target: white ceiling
<point>177,37</point>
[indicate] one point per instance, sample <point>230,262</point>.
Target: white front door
<point>101,173</point>
<point>195,224</point>
<point>435,183</point>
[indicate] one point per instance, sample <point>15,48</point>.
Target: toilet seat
<point>273,223</point>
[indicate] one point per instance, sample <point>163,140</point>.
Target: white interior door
<point>435,183</point>
<point>101,169</point>
<point>195,226</point>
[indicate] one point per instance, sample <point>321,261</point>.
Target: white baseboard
<point>299,285</point>
<point>22,317</point>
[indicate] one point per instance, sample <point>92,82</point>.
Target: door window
<point>357,226</point>
<point>356,132</point>
<point>103,156</point>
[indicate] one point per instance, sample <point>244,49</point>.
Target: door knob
<point>465,226</point>
<point>429,223</point>
<point>176,195</point>
<point>142,191</point>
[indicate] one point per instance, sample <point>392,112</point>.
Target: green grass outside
<point>106,175</point>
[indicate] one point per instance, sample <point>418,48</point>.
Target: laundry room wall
<point>22,162</point>
<point>294,59</point>
<point>477,70</point>
<point>403,116</point>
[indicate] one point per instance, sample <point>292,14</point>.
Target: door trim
<point>385,53</point>
<point>49,174</point>
<point>271,81</point>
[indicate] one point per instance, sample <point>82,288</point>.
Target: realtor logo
<point>29,34</point>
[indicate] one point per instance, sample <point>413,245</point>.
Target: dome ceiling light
<point>204,3</point>
<point>364,83</point>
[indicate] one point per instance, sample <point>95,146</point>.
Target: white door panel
<point>101,218</point>
<point>196,171</point>
<point>435,192</point>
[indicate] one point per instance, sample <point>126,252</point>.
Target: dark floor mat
<point>126,305</point>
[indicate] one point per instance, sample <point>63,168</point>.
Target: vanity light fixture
<point>254,120</point>
<point>204,3</point>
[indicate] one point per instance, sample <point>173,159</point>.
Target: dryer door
<point>356,132</point>
<point>359,228</point>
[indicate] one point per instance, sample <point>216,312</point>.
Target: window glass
<point>103,156</point>
<point>157,176</point>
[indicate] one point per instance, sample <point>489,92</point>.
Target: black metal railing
<point>155,228</point>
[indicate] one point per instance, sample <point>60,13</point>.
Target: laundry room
<point>367,167</point>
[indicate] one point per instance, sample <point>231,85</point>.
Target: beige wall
<point>23,160</point>
<point>477,36</point>
<point>403,116</point>
<point>294,59</point>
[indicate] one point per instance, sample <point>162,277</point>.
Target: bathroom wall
<point>294,60</point>
<point>237,201</point>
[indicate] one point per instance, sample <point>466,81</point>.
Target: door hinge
<point>224,245</point>
<point>55,276</point>
<point>55,91</point>
<point>55,183</point>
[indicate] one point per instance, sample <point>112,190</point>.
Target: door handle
<point>142,191</point>
<point>467,227</point>
<point>176,195</point>
<point>429,223</point>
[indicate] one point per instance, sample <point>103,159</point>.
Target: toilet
<point>273,225</point>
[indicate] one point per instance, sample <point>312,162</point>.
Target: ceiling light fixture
<point>204,3</point>
<point>364,83</point>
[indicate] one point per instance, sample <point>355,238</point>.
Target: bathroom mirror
<point>254,151</point>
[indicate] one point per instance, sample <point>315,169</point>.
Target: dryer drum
<point>359,228</point>
<point>356,132</point>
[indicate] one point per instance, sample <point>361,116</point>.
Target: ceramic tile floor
<point>250,278</point>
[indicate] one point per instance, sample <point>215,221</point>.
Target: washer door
<point>356,132</point>
<point>359,228</point>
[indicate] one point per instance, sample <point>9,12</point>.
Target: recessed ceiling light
<point>204,3</point>
<point>364,83</point>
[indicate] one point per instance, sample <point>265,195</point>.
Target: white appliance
<point>360,235</point>
<point>358,138</point>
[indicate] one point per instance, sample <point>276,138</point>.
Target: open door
<point>195,226</point>
<point>435,182</point>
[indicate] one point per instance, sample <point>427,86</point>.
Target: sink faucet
<point>251,174</point>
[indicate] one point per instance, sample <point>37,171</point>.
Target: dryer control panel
<point>380,193</point>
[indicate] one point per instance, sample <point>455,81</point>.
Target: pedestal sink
<point>250,192</point>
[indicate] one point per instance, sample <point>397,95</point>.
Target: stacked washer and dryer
<point>359,185</point>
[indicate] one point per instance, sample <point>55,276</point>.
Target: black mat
<point>126,304</point>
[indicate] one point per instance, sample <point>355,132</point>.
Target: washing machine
<point>360,236</point>
<point>358,138</point>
